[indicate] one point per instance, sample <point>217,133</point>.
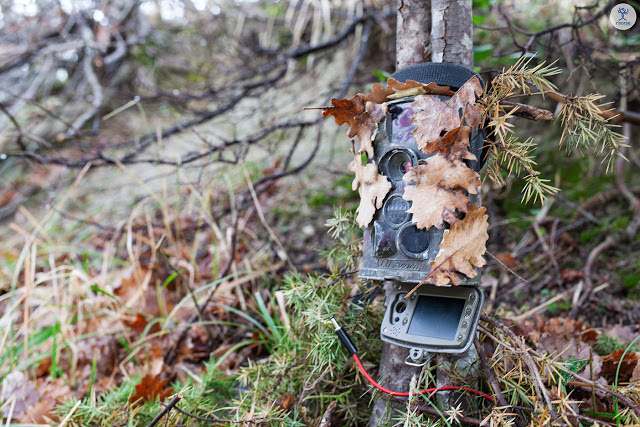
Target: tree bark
<point>413,31</point>
<point>442,30</point>
<point>452,32</point>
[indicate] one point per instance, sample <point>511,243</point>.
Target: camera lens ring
<point>413,241</point>
<point>394,210</point>
<point>394,163</point>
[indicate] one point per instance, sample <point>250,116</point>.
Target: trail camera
<point>435,319</point>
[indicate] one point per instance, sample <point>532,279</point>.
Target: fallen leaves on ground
<point>285,401</point>
<point>150,389</point>
<point>615,369</point>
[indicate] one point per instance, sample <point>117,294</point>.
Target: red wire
<point>429,390</point>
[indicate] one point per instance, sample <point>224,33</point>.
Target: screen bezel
<point>395,327</point>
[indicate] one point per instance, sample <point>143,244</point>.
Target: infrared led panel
<point>436,317</point>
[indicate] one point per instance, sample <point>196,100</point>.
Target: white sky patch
<point>25,7</point>
<point>98,15</point>
<point>148,7</point>
<point>200,4</point>
<point>70,6</point>
<point>171,10</point>
<point>67,6</point>
<point>62,75</point>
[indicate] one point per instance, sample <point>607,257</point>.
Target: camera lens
<point>395,210</point>
<point>396,163</point>
<point>413,241</point>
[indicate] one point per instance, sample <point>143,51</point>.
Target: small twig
<point>216,420</point>
<point>490,377</point>
<point>166,410</point>
<point>507,268</point>
<point>619,168</point>
<point>588,282</point>
<point>541,390</point>
<point>326,418</point>
<point>526,111</point>
<point>528,351</point>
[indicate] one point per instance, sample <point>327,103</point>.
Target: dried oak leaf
<point>361,116</point>
<point>439,190</point>
<point>150,389</point>
<point>395,89</point>
<point>453,145</point>
<point>627,367</point>
<point>461,249</point>
<point>433,116</point>
<point>372,186</point>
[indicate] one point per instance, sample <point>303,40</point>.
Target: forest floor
<point>89,304</point>
<point>121,287</point>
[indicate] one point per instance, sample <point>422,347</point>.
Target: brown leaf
<point>150,389</point>
<point>286,401</point>
<point>627,366</point>
<point>44,366</point>
<point>361,116</point>
<point>7,197</point>
<point>372,186</point>
<point>439,190</point>
<point>569,275</point>
<point>433,116</point>
<point>635,377</point>
<point>453,145</point>
<point>462,248</point>
<point>50,395</point>
<point>395,89</point>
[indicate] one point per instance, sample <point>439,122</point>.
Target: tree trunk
<point>393,374</point>
<point>412,47</point>
<point>443,28</point>
<point>412,32</point>
<point>452,32</point>
<point>452,41</point>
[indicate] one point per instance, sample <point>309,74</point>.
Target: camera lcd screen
<point>436,317</point>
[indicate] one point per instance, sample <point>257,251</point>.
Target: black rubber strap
<point>454,76</point>
<point>442,73</point>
